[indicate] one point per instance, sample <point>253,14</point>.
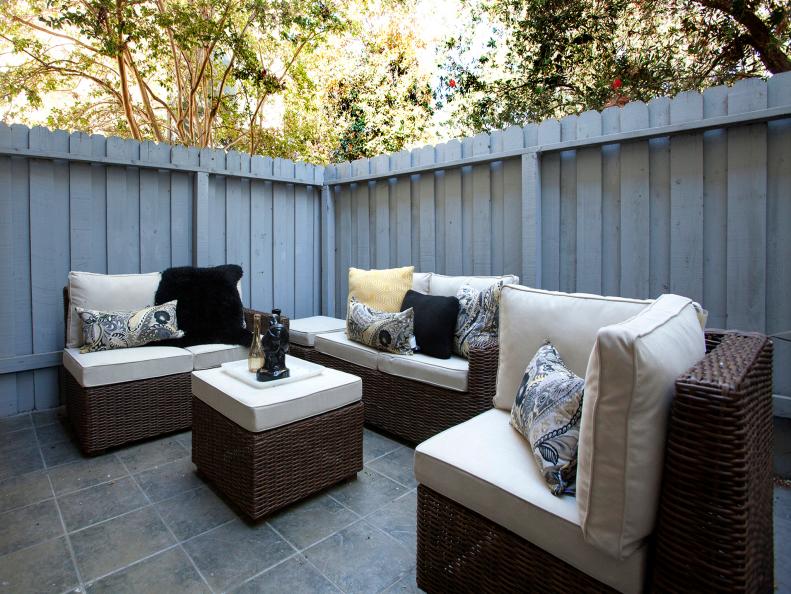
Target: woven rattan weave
<point>262,472</point>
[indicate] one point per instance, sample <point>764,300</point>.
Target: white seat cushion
<point>259,409</point>
<point>486,466</point>
<point>107,292</point>
<point>338,345</point>
<point>629,386</point>
<point>420,282</point>
<point>206,356</point>
<point>448,286</point>
<point>304,330</point>
<point>117,366</point>
<point>529,317</point>
<point>445,373</point>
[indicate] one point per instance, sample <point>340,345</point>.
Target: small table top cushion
<point>256,409</point>
<point>303,331</point>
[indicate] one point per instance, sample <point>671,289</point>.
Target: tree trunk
<point>761,38</point>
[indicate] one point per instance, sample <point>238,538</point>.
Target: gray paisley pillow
<point>547,412</point>
<point>105,330</point>
<point>478,316</point>
<point>392,332</point>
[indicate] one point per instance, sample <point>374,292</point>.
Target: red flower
<point>617,84</point>
<point>452,83</point>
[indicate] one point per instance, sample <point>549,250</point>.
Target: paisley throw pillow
<point>103,330</point>
<point>392,332</point>
<point>478,316</point>
<point>547,412</point>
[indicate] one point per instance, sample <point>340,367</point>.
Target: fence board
<point>344,240</point>
<point>303,249</point>
<point>686,199</point>
<point>180,210</point>
<point>261,238</point>
<point>778,204</point>
<point>381,212</point>
<point>123,209</point>
<point>403,213</point>
<point>549,132</point>
<point>589,206</point>
<point>635,207</point>
<point>659,181</point>
<point>715,209</point>
<point>482,210</point>
<point>611,205</point>
<point>155,251</point>
<point>746,227</point>
<point>426,261</point>
<point>361,203</point>
<point>9,252</point>
<point>283,232</point>
<point>453,220</point>
<point>497,239</point>
<point>513,138</point>
<point>568,208</point>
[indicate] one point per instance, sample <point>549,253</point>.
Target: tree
<point>197,72</point>
<point>548,58</point>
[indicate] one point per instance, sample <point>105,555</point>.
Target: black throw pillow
<point>209,308</point>
<point>435,322</point>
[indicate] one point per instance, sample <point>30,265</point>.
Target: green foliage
<point>549,58</point>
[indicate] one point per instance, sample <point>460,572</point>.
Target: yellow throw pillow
<point>381,289</point>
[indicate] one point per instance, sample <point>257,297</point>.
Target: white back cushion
<point>529,317</point>
<point>420,282</point>
<point>107,292</point>
<point>629,386</point>
<point>448,286</point>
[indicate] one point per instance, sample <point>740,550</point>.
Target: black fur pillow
<point>209,308</point>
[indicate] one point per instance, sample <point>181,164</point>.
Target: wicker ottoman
<point>303,331</point>
<point>267,448</point>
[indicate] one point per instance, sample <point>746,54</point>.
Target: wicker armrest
<point>482,376</point>
<point>265,317</point>
<point>717,485</point>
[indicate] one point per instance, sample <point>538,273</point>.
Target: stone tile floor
<point>139,519</point>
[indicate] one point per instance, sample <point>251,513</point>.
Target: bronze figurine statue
<point>275,343</point>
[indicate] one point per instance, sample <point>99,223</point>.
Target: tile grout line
<point>164,523</point>
<point>379,472</point>
<point>69,546</point>
<point>141,560</point>
<point>301,552</point>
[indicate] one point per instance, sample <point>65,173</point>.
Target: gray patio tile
<point>290,577</point>
<point>61,452</point>
<point>109,546</point>
<point>15,423</point>
<point>193,512</point>
<point>398,465</point>
<point>152,453</point>
<point>24,490</point>
<point>169,571</point>
<point>86,473</point>
<point>21,461</point>
<point>185,439</point>
<point>14,440</point>
<point>101,502</point>
<point>54,433</point>
<point>406,585</point>
<point>41,569</point>
<point>782,535</point>
<point>307,522</point>
<point>236,551</point>
<point>376,445</point>
<point>361,559</point>
<point>169,479</point>
<point>368,492</point>
<point>46,417</point>
<point>782,503</point>
<point>399,520</point>
<point>29,525</point>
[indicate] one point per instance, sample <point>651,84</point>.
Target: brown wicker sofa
<point>116,397</point>
<point>487,523</point>
<point>414,397</point>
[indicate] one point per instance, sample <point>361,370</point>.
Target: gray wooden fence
<point>79,202</point>
<point>690,195</point>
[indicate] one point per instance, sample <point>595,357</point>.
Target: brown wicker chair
<point>414,411</point>
<point>714,527</point>
<point>108,416</point>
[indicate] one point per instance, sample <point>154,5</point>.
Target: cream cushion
<point>420,282</point>
<point>117,366</point>
<point>444,373</point>
<point>304,330</point>
<point>338,345</point>
<point>448,286</point>
<point>629,386</point>
<point>107,292</point>
<point>206,356</point>
<point>380,289</point>
<point>259,409</point>
<point>529,317</point>
<point>486,466</point>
